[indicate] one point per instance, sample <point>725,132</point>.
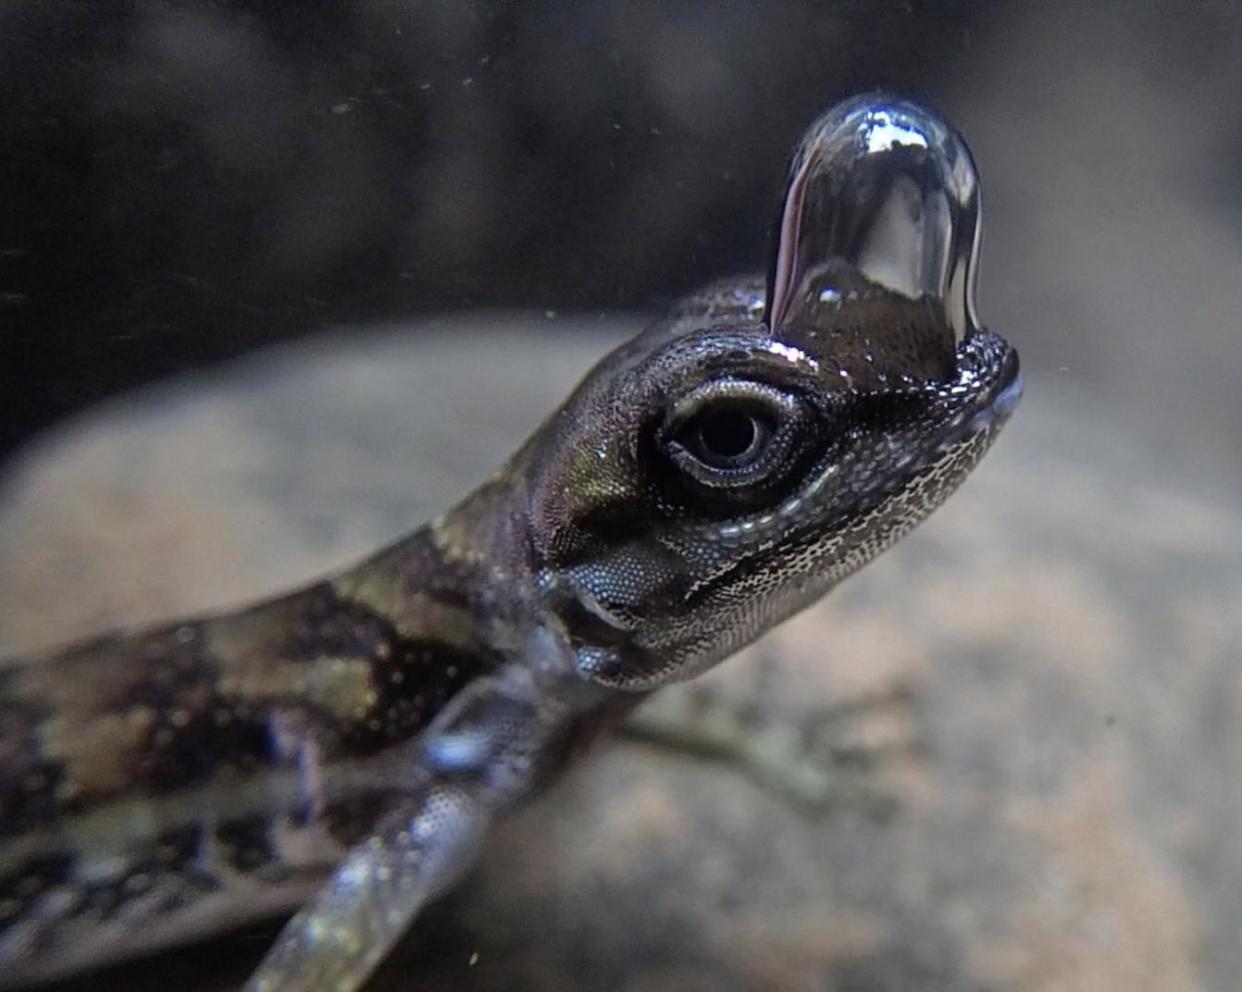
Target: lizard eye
<point>731,434</point>
<point>727,435</point>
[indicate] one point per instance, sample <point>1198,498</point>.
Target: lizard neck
<point>466,578</point>
<point>472,581</point>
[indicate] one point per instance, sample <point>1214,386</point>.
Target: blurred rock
<point>1068,625</point>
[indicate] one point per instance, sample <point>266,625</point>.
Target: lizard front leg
<point>421,847</point>
<point>484,752</point>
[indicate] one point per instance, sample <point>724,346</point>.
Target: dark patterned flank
<point>153,713</point>
<point>169,856</point>
<point>23,886</point>
<point>27,782</point>
<point>44,896</point>
<point>108,750</point>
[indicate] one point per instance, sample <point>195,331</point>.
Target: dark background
<point>185,181</point>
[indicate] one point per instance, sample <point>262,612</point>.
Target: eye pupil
<point>728,432</point>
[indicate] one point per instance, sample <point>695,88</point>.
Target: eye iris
<point>728,433</point>
<point>733,441</point>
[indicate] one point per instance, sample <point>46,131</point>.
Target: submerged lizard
<point>345,748</point>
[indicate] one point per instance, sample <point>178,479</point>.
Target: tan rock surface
<point>1069,625</point>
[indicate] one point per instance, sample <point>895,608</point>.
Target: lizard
<point>344,748</point>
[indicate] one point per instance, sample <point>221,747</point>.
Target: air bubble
<point>881,193</point>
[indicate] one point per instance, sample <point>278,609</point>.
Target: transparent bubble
<point>881,192</point>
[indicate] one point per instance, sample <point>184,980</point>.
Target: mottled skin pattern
<point>705,481</point>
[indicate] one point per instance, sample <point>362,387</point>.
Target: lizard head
<point>736,460</point>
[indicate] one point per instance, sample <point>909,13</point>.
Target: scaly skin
<point>705,481</point>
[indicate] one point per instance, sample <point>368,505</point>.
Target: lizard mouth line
<point>995,405</point>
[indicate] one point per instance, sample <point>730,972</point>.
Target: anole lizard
<point>345,748</point>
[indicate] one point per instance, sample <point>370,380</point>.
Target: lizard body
<point>709,478</point>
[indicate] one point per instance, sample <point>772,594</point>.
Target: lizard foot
<point>817,761</point>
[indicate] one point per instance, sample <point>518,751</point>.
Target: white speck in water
<point>342,108</point>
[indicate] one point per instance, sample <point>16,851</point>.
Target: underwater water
<point>438,215</point>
